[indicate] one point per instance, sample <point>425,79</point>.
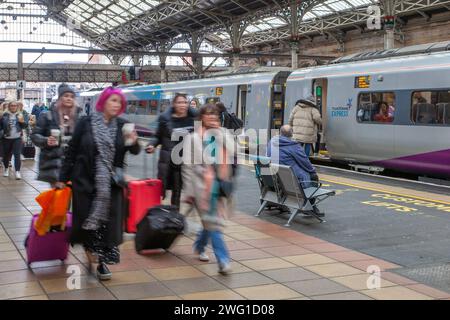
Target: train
<point>413,84</point>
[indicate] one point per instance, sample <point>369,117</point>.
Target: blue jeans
<point>218,244</point>
<point>307,147</point>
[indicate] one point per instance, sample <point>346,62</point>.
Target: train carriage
<point>416,89</point>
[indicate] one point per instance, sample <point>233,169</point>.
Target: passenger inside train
<point>383,114</point>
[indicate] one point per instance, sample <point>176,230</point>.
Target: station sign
<point>21,84</point>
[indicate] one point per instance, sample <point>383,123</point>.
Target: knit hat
<point>63,88</point>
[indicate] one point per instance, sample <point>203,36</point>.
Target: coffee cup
<point>127,130</point>
<point>56,133</point>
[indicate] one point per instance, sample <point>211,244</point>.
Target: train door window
<point>212,100</point>
<point>376,107</point>
<point>153,107</point>
<point>430,107</point>
<point>165,103</point>
<point>242,102</point>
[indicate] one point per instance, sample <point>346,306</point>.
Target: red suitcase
<point>142,195</point>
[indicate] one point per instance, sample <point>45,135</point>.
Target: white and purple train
<point>389,109</point>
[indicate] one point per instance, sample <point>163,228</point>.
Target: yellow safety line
<point>386,191</point>
<point>378,190</point>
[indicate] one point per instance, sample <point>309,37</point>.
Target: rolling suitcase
<point>52,246</point>
<point>142,195</point>
<point>159,228</point>
<point>29,150</point>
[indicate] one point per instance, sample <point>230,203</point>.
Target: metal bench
<point>270,194</point>
<point>295,197</point>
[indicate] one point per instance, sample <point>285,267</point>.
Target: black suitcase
<point>159,228</point>
<point>28,151</point>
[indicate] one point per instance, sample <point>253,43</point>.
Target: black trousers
<point>10,147</point>
<point>177,185</point>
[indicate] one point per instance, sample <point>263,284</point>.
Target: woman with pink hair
<point>94,164</point>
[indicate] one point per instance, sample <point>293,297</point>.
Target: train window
<point>137,107</point>
<point>165,103</point>
<point>153,106</point>
<point>431,107</point>
<point>376,107</point>
<point>212,100</point>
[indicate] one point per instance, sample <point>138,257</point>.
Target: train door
<point>320,90</point>
<point>242,102</point>
<point>278,100</point>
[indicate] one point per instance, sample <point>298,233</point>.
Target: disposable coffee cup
<point>56,134</point>
<point>127,130</point>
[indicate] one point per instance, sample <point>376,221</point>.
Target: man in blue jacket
<point>285,151</point>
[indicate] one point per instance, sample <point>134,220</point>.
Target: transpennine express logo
<point>342,112</point>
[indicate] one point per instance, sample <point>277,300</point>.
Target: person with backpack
<point>304,120</point>
<point>53,132</point>
<point>228,120</point>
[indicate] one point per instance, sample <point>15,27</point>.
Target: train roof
<point>397,52</point>
<point>428,56</point>
<point>216,81</point>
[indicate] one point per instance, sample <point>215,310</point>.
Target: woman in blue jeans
<point>206,170</point>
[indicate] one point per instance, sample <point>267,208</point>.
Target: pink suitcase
<point>52,246</point>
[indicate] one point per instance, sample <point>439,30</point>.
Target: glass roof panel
<point>106,14</point>
<point>338,5</point>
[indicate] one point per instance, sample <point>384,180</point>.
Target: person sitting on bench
<point>285,151</point>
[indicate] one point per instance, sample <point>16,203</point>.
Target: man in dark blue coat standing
<point>285,151</point>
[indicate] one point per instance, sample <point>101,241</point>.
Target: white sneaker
<point>18,175</point>
<point>203,257</point>
<point>6,172</point>
<point>224,268</point>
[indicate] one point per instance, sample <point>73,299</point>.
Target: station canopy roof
<point>122,24</point>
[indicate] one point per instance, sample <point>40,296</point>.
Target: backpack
<point>233,121</point>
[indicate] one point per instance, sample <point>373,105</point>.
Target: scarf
<point>104,138</point>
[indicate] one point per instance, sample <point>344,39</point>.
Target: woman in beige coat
<point>207,180</point>
<point>304,120</point>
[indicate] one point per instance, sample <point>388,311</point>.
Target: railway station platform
<point>398,226</point>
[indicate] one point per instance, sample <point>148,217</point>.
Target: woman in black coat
<point>178,119</point>
<point>61,118</point>
<point>93,163</point>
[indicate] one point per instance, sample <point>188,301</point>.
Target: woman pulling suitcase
<point>93,163</point>
<point>207,159</point>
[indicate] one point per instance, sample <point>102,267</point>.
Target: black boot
<point>103,272</point>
